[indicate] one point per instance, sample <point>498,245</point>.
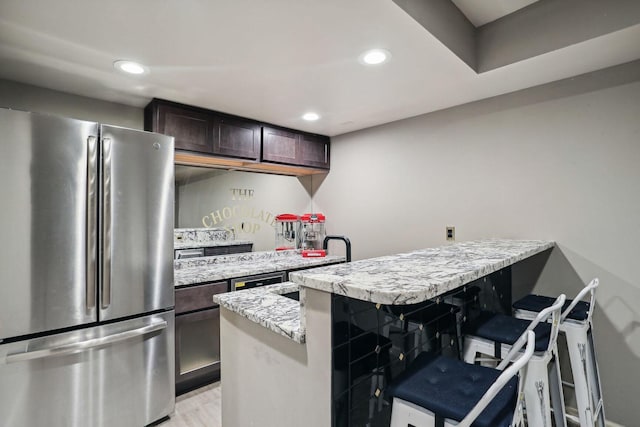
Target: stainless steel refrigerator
<point>86,273</point>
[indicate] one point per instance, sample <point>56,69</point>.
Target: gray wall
<point>32,98</point>
<point>557,162</point>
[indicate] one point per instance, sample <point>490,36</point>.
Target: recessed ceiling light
<point>130,67</point>
<point>375,56</point>
<point>310,117</point>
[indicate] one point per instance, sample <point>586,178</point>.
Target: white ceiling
<point>269,60</point>
<point>481,12</point>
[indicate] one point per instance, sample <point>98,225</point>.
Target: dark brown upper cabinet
<point>204,131</point>
<point>237,138</point>
<point>224,137</point>
<point>314,150</point>
<point>280,146</point>
<point>294,148</point>
<point>193,130</point>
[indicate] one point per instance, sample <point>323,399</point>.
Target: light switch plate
<point>451,234</point>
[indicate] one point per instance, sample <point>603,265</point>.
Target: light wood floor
<point>198,408</point>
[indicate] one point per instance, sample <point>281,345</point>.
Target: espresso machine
<point>312,233</point>
<point>287,232</point>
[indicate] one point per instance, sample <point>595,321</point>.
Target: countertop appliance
<point>287,232</point>
<point>86,273</point>
<point>312,234</point>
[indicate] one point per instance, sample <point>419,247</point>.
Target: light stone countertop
<point>397,279</point>
<point>222,267</point>
<point>266,306</point>
<point>420,275</point>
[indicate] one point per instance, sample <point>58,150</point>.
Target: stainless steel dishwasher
<point>197,337</point>
<point>249,282</point>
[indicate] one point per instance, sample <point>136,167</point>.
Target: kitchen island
<point>197,316</point>
<point>313,378</point>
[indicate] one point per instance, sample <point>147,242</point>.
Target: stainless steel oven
<point>197,336</point>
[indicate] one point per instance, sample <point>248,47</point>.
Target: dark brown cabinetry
<point>294,148</point>
<point>256,146</point>
<point>314,151</point>
<point>280,146</point>
<point>237,138</point>
<point>204,131</point>
<point>192,129</point>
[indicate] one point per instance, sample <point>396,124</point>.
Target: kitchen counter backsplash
<point>208,261</point>
<point>183,235</point>
<point>187,238</point>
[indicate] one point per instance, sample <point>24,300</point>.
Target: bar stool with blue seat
<point>438,391</point>
<point>576,324</point>
<point>494,334</point>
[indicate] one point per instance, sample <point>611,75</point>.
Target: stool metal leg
<point>585,376</point>
<point>557,395</point>
<point>536,394</point>
<point>596,387</point>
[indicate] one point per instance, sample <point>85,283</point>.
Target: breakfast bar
<point>341,332</point>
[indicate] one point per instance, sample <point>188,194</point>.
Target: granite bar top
<point>265,306</point>
<point>420,275</point>
<point>223,267</point>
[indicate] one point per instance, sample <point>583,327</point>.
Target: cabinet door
<point>192,130</point>
<point>280,146</point>
<point>237,138</point>
<point>314,151</point>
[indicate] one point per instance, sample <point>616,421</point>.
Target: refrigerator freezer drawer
<point>120,374</point>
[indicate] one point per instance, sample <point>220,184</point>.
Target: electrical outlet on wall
<point>451,234</point>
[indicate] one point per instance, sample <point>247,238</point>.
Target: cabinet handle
<point>326,149</point>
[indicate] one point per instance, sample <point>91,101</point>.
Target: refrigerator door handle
<point>78,347</point>
<point>106,223</point>
<point>92,174</point>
